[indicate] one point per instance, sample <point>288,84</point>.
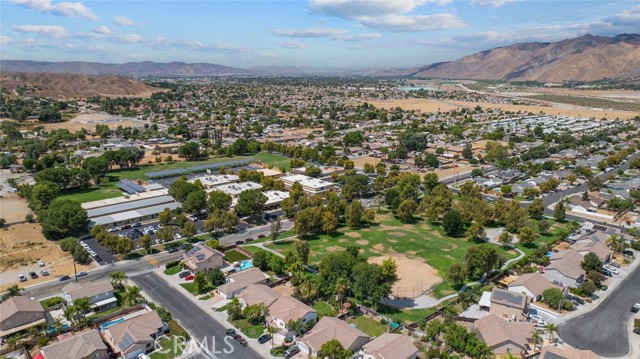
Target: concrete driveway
<point>605,328</point>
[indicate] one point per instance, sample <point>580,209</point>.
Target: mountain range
<point>585,58</point>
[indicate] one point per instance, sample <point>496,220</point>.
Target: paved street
<point>191,317</point>
<point>604,329</point>
<point>130,267</point>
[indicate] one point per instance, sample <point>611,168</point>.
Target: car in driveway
<point>612,270</point>
<point>628,253</point>
<point>291,352</point>
<point>537,320</point>
<point>22,278</point>
<point>184,274</point>
<point>576,300</point>
<point>264,338</point>
<point>44,272</point>
<point>64,277</point>
<point>607,272</point>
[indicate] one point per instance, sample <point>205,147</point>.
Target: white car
<point>40,264</point>
<point>613,270</point>
<point>537,320</point>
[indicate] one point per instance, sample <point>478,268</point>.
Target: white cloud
<point>492,3</point>
<point>5,40</point>
<point>103,30</point>
<point>294,44</point>
<point>125,21</point>
<point>390,15</point>
<point>52,31</point>
<point>354,9</point>
<point>325,32</point>
<point>414,22</point>
<point>129,38</point>
<point>66,9</point>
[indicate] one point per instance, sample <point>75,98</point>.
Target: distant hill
<point>585,58</point>
<point>64,86</point>
<point>146,68</point>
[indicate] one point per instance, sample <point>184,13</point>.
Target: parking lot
<point>100,251</point>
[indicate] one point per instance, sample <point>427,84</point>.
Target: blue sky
<point>303,33</point>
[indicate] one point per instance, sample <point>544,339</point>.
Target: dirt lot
<point>422,105</point>
<point>13,208</point>
<point>360,161</point>
<point>21,246</point>
<point>90,120</point>
<point>414,276</point>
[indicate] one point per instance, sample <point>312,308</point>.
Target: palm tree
<point>296,268</point>
<point>307,289</point>
<point>537,340</point>
<point>83,305</point>
<point>70,312</point>
<point>117,278</point>
<point>132,295</point>
<point>341,287</point>
<point>296,326</point>
<point>58,324</point>
<point>551,329</point>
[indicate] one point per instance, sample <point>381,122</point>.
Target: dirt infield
<point>21,246</point>
<point>414,275</point>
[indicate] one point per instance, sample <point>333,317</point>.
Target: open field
<point>591,102</point>
<point>360,161</point>
<point>420,243</point>
<point>273,159</point>
<point>89,121</point>
<point>414,275</point>
<point>416,104</point>
<point>21,246</point>
<point>13,208</point>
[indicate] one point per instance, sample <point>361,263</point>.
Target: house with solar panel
<point>134,336</point>
<point>509,305</point>
<point>202,258</point>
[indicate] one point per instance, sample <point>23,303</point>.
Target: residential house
<point>20,313</point>
<point>87,345</point>
<point>100,294</point>
<point>329,328</point>
<point>555,352</point>
<point>509,305</point>
<point>505,337</point>
<point>564,268</point>
<point>595,242</point>
<point>532,285</point>
<point>281,309</point>
<point>202,258</point>
<point>238,281</point>
<point>135,336</point>
<point>389,346</point>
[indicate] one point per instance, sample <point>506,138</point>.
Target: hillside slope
<point>586,58</point>
<point>62,86</point>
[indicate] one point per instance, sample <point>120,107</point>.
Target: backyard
<point>369,325</point>
<point>169,349</point>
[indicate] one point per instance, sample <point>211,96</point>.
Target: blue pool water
<point>246,265</point>
<point>108,324</point>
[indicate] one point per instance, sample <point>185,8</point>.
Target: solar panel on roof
<point>507,296</point>
<point>125,342</point>
<point>200,257</point>
<point>192,251</point>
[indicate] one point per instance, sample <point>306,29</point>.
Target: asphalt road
<point>604,329</point>
<point>54,286</point>
<point>200,324</point>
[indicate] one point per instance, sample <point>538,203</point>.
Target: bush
<point>176,329</point>
<point>635,245</point>
<point>172,264</point>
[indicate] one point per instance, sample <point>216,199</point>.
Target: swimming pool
<point>246,264</point>
<point>108,324</point>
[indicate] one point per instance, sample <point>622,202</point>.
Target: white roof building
<point>210,181</point>
<point>234,189</point>
<point>309,185</point>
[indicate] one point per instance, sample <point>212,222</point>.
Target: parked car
<point>636,330</point>
<point>635,308</point>
<point>577,300</point>
<point>230,332</point>
<point>81,274</point>
<point>172,250</point>
<point>248,239</point>
<point>40,264</point>
<point>22,278</point>
<point>64,277</point>
<point>33,275</point>
<point>628,253</point>
<point>239,242</point>
<point>264,338</point>
<point>137,224</point>
<point>607,272</point>
<point>113,229</point>
<point>184,274</point>
<point>537,320</point>
<point>613,270</point>
<point>44,272</point>
<point>291,352</point>
<point>614,264</point>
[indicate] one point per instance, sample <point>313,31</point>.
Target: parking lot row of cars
<point>91,252</point>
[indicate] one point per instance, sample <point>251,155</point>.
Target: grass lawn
<point>168,350</point>
<point>369,325</point>
<point>106,312</point>
<point>93,194</point>
<point>273,159</point>
<point>250,330</point>
<point>234,256</point>
<point>405,316</point>
<point>555,232</point>
<point>191,287</point>
<point>173,270</point>
<point>253,249</point>
<point>324,309</point>
<point>389,235</point>
<point>205,297</point>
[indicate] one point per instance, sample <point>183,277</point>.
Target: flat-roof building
<point>210,181</point>
<point>131,211</point>
<point>310,185</point>
<point>234,189</point>
<point>274,198</point>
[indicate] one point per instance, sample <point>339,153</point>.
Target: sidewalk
<point>207,305</point>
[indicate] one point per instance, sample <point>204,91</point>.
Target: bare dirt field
<point>414,275</point>
<point>360,161</point>
<point>89,121</point>
<point>13,208</point>
<point>21,246</point>
<point>421,105</point>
